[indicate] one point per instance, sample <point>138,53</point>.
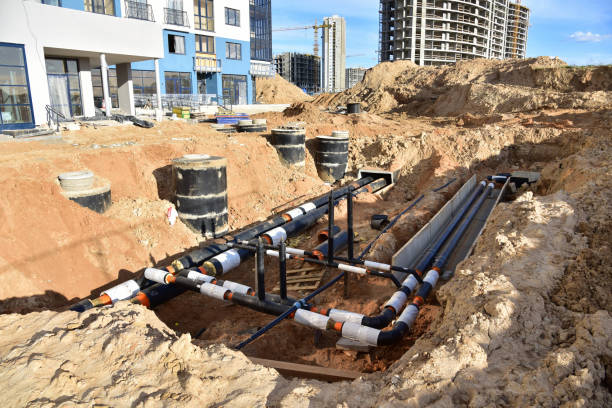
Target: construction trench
<point>524,320</point>
<point>249,270</point>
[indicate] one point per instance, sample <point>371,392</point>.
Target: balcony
<point>139,11</point>
<point>176,17</point>
<point>206,64</point>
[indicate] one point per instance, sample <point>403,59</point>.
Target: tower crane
<point>316,33</point>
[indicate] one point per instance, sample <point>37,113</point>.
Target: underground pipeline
<point>411,311</point>
<point>222,290</point>
<point>432,252</point>
<point>192,280</point>
<point>442,258</point>
<point>156,294</point>
<point>314,254</point>
<point>131,288</point>
<point>349,324</point>
<point>393,306</point>
<point>224,262</point>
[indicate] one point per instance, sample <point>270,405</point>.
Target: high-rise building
<point>333,59</point>
<point>302,70</point>
<point>353,76</point>
<point>438,32</point>
<point>518,25</point>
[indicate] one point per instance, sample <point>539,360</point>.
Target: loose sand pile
<point>478,87</point>
<point>278,90</point>
<point>525,321</point>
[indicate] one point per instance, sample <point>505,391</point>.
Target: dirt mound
<point>138,361</point>
<point>49,244</point>
<point>278,90</point>
<point>478,86</point>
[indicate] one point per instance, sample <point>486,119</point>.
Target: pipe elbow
<point>380,321</point>
<point>388,337</point>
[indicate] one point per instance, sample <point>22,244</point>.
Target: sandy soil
<point>278,90</point>
<point>478,86</point>
<point>525,321</point>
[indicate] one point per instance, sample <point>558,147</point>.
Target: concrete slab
<point>409,255</point>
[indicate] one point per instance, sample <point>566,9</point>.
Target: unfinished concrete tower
<point>354,76</point>
<point>516,37</point>
<point>302,70</point>
<point>333,60</point>
<point>438,32</point>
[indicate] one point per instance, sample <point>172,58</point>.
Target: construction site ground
<point>525,320</point>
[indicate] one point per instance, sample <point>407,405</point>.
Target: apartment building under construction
<point>438,32</point>
<point>302,70</point>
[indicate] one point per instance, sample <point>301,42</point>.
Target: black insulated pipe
<point>330,227</point>
<point>282,269</point>
<point>349,221</point>
<point>351,237</point>
<point>260,270</point>
<point>198,256</point>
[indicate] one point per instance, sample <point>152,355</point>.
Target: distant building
<point>333,60</point>
<point>302,70</point>
<point>518,24</point>
<point>353,76</point>
<point>439,32</point>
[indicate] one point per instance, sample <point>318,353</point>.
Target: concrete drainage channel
<point>201,196</point>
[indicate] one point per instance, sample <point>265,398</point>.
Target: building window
<point>143,82</point>
<point>261,30</point>
<point>205,44</point>
<point>203,18</point>
<point>15,104</point>
<point>234,89</point>
<point>64,86</point>
<point>176,44</point>
<point>178,83</point>
<point>100,6</point>
<point>96,82</point>
<point>233,51</point>
<point>232,17</point>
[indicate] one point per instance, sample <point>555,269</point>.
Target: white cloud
<point>589,36</point>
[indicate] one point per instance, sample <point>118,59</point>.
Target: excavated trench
<point>209,321</point>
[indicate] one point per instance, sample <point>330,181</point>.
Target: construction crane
<point>316,33</point>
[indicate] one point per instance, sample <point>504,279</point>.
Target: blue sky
<point>579,32</point>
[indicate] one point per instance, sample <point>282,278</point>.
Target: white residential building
<point>333,59</point>
<point>71,56</point>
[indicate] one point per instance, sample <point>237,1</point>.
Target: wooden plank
<point>312,268</point>
<point>302,287</point>
<point>304,279</point>
<point>307,371</point>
